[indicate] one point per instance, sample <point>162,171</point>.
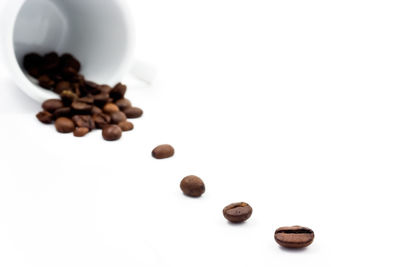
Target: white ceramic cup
<point>99,33</point>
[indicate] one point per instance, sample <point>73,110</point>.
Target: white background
<point>292,106</point>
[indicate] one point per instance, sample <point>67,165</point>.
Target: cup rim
<point>22,81</point>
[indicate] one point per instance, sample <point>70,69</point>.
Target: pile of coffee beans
<point>83,105</point>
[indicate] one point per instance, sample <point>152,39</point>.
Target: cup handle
<point>144,72</point>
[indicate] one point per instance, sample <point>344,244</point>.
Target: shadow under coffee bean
<point>83,105</point>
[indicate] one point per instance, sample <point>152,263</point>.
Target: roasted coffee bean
<point>52,105</point>
<point>45,117</point>
<point>101,120</point>
<point>62,112</point>
<point>35,72</point>
<point>123,103</point>
<point>69,61</point>
<point>294,236</point>
<point>51,61</point>
<point>32,60</point>
<point>46,82</point>
<point>81,131</point>
<point>87,99</point>
<point>163,151</point>
<point>104,88</point>
<point>96,110</point>
<point>64,125</point>
<point>62,86</point>
<point>126,126</point>
<point>101,99</point>
<point>110,108</point>
<point>117,117</point>
<point>118,91</point>
<point>192,186</point>
<point>133,112</point>
<point>85,121</point>
<point>237,212</point>
<point>67,97</point>
<point>112,133</point>
<point>81,107</point>
<point>92,87</point>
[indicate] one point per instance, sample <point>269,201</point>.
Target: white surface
<point>98,32</point>
<point>291,106</point>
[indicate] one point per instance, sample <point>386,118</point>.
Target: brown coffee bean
<point>52,104</point>
<point>294,236</point>
<point>112,133</point>
<point>237,212</point>
<point>62,112</point>
<point>32,60</point>
<point>92,87</point>
<point>62,86</point>
<point>101,99</point>
<point>84,121</point>
<point>104,88</point>
<point>87,99</point>
<point>192,186</point>
<point>117,117</point>
<point>51,61</point>
<point>163,151</point>
<point>123,103</point>
<point>110,108</point>
<point>81,107</point>
<point>69,61</point>
<point>101,120</point>
<point>46,82</point>
<point>81,131</point>
<point>126,126</point>
<point>96,110</point>
<point>45,117</point>
<point>67,97</point>
<point>64,125</point>
<point>118,91</point>
<point>133,112</point>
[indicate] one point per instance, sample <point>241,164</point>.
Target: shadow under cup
<point>97,32</point>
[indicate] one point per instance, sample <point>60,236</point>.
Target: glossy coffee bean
<point>51,61</point>
<point>84,121</point>
<point>101,120</point>
<point>112,133</point>
<point>117,117</point>
<point>81,131</point>
<point>163,151</point>
<point>67,97</point>
<point>64,125</point>
<point>123,103</point>
<point>62,112</point>
<point>62,86</point>
<point>81,107</point>
<point>126,126</point>
<point>96,110</point>
<point>192,186</point>
<point>237,212</point>
<point>52,105</point>
<point>133,112</point>
<point>46,82</point>
<point>118,91</point>
<point>101,99</point>
<point>110,108</point>
<point>45,117</point>
<point>294,236</point>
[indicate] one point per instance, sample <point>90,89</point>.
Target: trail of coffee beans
<point>83,105</point>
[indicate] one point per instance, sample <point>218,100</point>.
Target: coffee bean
<point>51,61</point>
<point>84,121</point>
<point>112,133</point>
<point>45,117</point>
<point>81,131</point>
<point>101,99</point>
<point>87,99</point>
<point>92,87</point>
<point>192,186</point>
<point>62,86</point>
<point>294,236</point>
<point>67,97</point>
<point>96,110</point>
<point>126,126</point>
<point>104,88</point>
<point>118,91</point>
<point>101,120</point>
<point>117,117</point>
<point>81,107</point>
<point>62,112</point>
<point>123,103</point>
<point>110,108</point>
<point>133,112</point>
<point>32,60</point>
<point>237,212</point>
<point>163,151</point>
<point>64,125</point>
<point>52,104</point>
<point>46,82</point>
<point>69,61</point>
